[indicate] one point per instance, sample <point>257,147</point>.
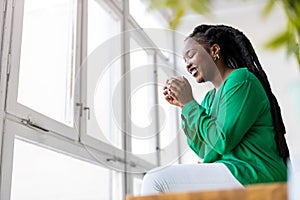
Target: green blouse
<point>234,126</point>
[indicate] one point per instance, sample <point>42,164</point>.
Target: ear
<point>214,50</point>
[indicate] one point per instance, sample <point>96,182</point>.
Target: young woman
<point>237,129</point>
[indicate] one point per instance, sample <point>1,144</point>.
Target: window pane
<point>102,77</point>
<point>142,99</point>
<point>39,173</point>
<point>145,18</point>
<point>46,79</point>
<point>102,24</point>
<point>137,185</point>
<point>144,137</point>
<point>169,133</point>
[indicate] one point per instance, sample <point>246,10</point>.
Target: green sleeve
<point>235,110</point>
<point>198,146</point>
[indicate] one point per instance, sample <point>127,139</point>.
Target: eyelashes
<point>189,57</point>
<point>191,54</point>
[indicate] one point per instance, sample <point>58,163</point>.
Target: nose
<point>188,65</point>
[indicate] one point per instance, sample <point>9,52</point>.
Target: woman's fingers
<point>174,80</point>
<point>175,84</point>
<point>165,92</point>
<point>178,91</point>
<point>173,87</point>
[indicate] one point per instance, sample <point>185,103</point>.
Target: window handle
<point>88,112</point>
<point>29,123</point>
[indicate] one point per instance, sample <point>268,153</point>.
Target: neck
<point>221,74</point>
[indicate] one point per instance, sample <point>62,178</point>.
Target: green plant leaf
<point>156,4</point>
<point>279,40</point>
<point>292,48</point>
<point>177,18</point>
<point>269,7</point>
<point>199,6</point>
<point>172,3</point>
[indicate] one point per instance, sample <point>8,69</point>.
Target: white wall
<point>283,72</point>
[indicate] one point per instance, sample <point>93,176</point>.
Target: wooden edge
<point>274,191</point>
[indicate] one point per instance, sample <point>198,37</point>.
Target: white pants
<point>188,177</point>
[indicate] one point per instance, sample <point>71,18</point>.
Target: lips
<point>193,70</point>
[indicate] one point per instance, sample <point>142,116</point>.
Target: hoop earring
<point>216,57</point>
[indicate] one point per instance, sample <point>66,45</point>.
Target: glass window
<point>103,24</point>
<point>39,173</point>
<point>169,141</point>
<point>137,185</point>
<point>103,42</point>
<point>146,19</point>
<point>47,60</point>
<point>142,99</point>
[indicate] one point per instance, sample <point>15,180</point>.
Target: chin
<point>199,80</point>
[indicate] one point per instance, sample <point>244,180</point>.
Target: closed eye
<point>191,53</point>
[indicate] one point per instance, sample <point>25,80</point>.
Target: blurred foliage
<point>179,8</point>
<point>289,38</point>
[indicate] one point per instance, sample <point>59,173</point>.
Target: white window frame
<point>60,138</point>
<point>2,70</point>
<point>13,129</point>
<point>19,110</point>
<point>84,137</point>
<point>141,37</point>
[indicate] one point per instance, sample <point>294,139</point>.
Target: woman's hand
<point>169,96</point>
<point>178,91</point>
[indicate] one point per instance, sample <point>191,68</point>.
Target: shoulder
<point>244,80</point>
<point>242,76</point>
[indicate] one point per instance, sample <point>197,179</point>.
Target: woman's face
<point>198,61</point>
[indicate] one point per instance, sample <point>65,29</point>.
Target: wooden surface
<point>276,191</point>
